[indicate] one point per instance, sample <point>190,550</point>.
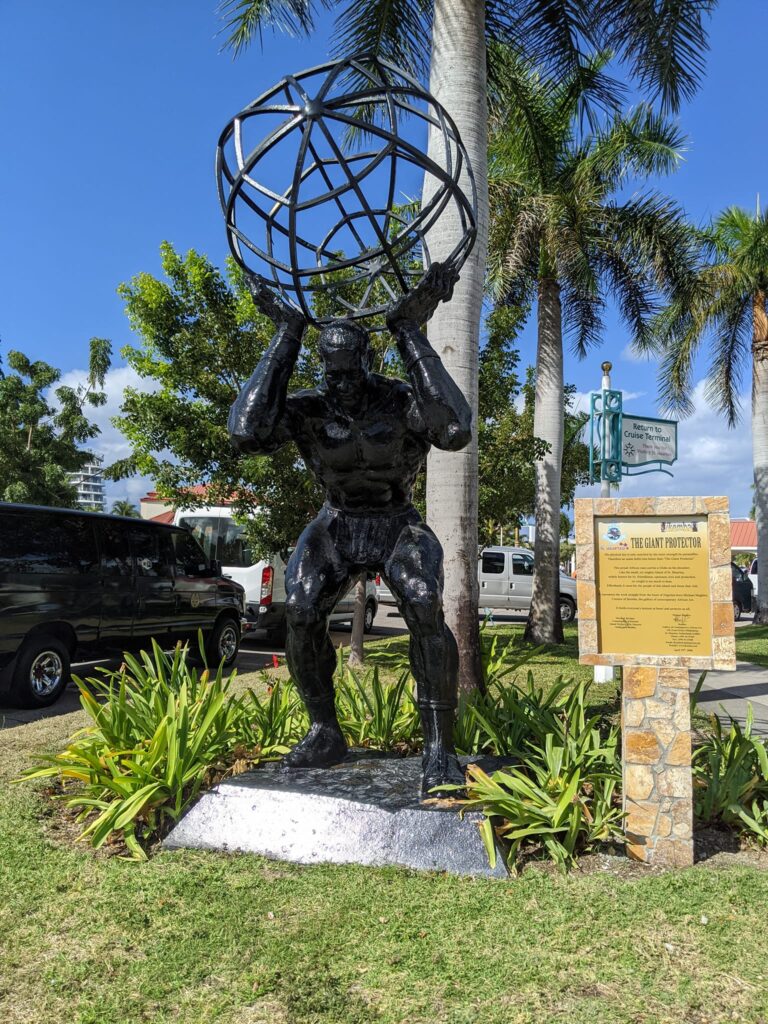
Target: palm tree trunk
<point>544,625</point>
<point>458,81</point>
<point>760,448</point>
<point>356,646</point>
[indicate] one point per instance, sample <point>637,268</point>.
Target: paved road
<point>725,693</point>
<point>254,655</point>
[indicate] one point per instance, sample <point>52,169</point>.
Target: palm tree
<point>728,305</point>
<point>560,234</point>
<point>124,508</point>
<point>661,44</point>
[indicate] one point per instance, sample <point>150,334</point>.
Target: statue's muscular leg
<point>414,571</point>
<point>315,577</point>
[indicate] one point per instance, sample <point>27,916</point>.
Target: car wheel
<point>41,673</point>
<point>567,610</point>
<point>223,644</point>
<point>736,611</point>
<point>370,615</point>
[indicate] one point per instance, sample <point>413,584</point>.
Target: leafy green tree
<point>661,46</point>
<point>508,447</point>
<point>201,338</point>
<point>727,305</point>
<point>563,233</point>
<point>125,508</point>
<point>43,427</point>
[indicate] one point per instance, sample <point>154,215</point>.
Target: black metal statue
<point>365,437</point>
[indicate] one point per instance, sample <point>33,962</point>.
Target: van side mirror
<point>215,567</point>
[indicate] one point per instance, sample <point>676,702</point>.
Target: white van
<point>505,577</point>
<point>263,579</point>
<point>752,573</point>
<point>506,582</point>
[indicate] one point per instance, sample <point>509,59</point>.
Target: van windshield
<point>221,539</point>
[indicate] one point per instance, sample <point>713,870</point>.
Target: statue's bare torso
<point>366,462</point>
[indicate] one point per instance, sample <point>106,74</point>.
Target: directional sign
<point>645,440</point>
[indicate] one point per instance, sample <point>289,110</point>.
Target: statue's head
<point>345,352</point>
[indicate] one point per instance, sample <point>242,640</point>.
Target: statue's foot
<point>441,768</point>
<point>323,746</point>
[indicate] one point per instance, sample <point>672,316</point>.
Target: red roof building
<point>743,535</point>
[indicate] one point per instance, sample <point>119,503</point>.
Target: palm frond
<point>397,30</point>
<point>245,20</point>
<point>733,334</point>
<point>639,144</point>
<point>664,43</point>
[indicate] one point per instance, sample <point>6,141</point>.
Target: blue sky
<point>110,112</point>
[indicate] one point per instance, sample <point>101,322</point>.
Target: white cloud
<point>581,399</point>
<point>712,459</point>
<point>631,355</point>
<point>110,443</point>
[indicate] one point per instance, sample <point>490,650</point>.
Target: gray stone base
<point>364,811</point>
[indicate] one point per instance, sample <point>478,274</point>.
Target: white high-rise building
<point>89,482</point>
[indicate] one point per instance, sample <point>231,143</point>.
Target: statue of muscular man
<point>365,438</point>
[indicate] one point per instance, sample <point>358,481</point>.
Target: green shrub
<point>730,780</point>
<point>160,730</point>
<point>560,798</point>
<point>371,713</point>
<point>275,723</point>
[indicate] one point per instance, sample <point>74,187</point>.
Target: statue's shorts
<point>366,540</point>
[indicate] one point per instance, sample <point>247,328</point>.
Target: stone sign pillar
<point>654,596</point>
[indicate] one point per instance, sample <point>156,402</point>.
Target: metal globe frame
<point>401,255</point>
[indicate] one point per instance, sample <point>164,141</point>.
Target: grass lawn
<point>752,644</point>
<point>193,938</point>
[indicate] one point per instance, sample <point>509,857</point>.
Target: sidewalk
<point>728,693</point>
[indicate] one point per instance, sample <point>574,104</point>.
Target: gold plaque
<point>653,585</point>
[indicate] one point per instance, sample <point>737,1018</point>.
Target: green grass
<point>207,938</point>
<point>204,937</point>
<point>752,644</point>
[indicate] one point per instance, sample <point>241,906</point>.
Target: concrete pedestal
<point>366,810</point>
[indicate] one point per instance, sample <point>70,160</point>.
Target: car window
<point>522,565</point>
<point>205,530</point>
<point>152,553</point>
<point>32,542</point>
<point>115,550</point>
<point>233,546</point>
<point>190,557</point>
<point>493,562</point>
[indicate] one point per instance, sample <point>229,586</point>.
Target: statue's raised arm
<point>258,420</point>
<point>442,407</point>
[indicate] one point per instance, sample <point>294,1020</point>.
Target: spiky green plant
<point>158,728</point>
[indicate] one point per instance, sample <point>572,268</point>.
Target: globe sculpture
<point>317,179</point>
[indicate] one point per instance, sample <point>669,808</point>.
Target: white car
<point>506,582</point>
<point>263,579</point>
<point>752,573</point>
<point>505,576</point>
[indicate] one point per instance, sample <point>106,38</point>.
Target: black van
<point>81,581</point>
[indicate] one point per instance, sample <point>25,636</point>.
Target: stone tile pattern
<point>656,762</point>
<point>655,714</point>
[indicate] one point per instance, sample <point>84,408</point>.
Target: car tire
<point>737,610</point>
<point>223,644</point>
<point>370,615</point>
<point>40,674</point>
<point>567,609</point>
